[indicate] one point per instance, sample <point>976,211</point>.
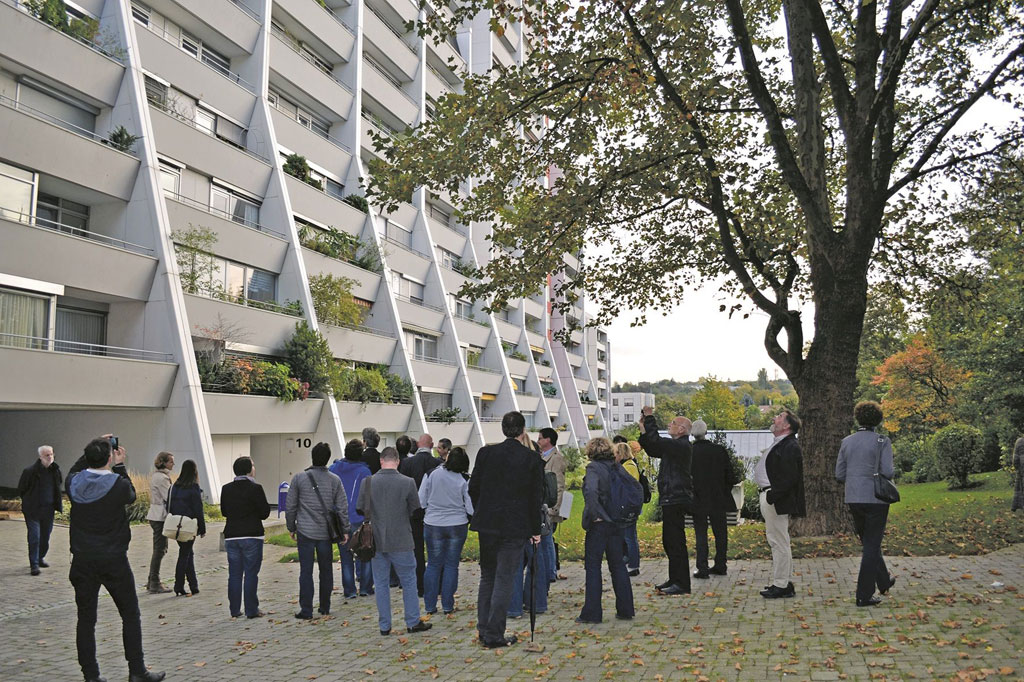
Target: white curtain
<point>21,316</point>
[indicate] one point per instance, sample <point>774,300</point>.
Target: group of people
<point>421,507</point>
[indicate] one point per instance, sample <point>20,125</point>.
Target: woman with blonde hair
<point>159,485</point>
<point>604,537</point>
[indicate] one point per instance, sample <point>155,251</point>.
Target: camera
<point>113,442</point>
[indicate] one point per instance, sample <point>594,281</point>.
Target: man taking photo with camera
<point>99,546</point>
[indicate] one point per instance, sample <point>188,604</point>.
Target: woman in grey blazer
<point>859,455</point>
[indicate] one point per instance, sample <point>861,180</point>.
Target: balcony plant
<point>333,301</point>
<point>446,415</point>
<point>516,355</point>
<point>473,358</point>
<point>358,202</point>
<point>249,376</point>
<point>193,252</point>
<point>464,268</point>
<point>122,140</point>
<point>549,390</point>
<point>296,166</point>
<point>400,387</point>
<point>360,384</point>
<point>309,357</point>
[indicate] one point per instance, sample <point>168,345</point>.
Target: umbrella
<point>533,591</point>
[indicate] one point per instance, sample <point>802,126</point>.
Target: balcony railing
<point>433,360</point>
<point>392,29</point>
<point>366,330</point>
<point>203,206</point>
<point>166,108</point>
<point>378,126</point>
<point>481,368</point>
<point>35,221</point>
<point>117,56</point>
<point>242,6</point>
<point>444,82</point>
<point>390,79</point>
<point>220,70</point>
<point>62,346</point>
<point>418,302</point>
<point>467,318</point>
<point>66,125</point>
<point>290,44</point>
<point>327,136</point>
<point>338,19</point>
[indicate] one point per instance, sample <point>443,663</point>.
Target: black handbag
<point>335,527</point>
<point>361,543</point>
<point>885,490</point>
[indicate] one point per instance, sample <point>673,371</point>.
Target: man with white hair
<point>712,498</point>
<point>39,489</point>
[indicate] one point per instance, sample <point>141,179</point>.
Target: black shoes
<point>421,626</point>
<point>385,633</point>
<point>584,621</point>
<point>147,677</point>
<point>503,642</point>
<point>35,570</point>
<point>718,570</point>
<point>663,585</point>
<point>95,679</point>
<point>773,592</point>
<point>633,572</point>
<point>703,575</point>
<point>43,564</point>
<point>258,614</point>
<point>892,581</point>
<point>674,589</point>
<point>619,616</point>
<point>870,601</point>
<point>303,616</point>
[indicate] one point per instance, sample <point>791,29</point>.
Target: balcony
<point>508,331</point>
<point>225,91</point>
<point>457,432</point>
<point>384,89</point>
<point>452,280</point>
<point>483,380</point>
<point>232,20</point>
<point>83,66</point>
<point>518,367</point>
<point>211,155</point>
<point>33,248</point>
<point>407,10</point>
<point>492,431</point>
<point>589,409</point>
<point>527,403</point>
<point>437,85</point>
<point>434,373</point>
<point>533,309</point>
<point>265,329</point>
<point>320,206</point>
<point>298,70</point>
<point>574,359</point>
<point>448,54</point>
<point>472,332</point>
<point>366,283</point>
<point>544,371</point>
<point>426,317</point>
<point>335,156</point>
<point>260,414</point>
<point>536,339</point>
<point>390,42</point>
<point>360,344</point>
<point>323,24</point>
<point>502,53</point>
<point>253,244</point>
<point>405,259</point>
<point>446,236</point>
<point>90,376</point>
<point>386,418</point>
<point>582,385</point>
<point>553,405</point>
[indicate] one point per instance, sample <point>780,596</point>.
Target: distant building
<point>625,408</point>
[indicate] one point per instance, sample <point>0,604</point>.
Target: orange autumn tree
<point>921,388</point>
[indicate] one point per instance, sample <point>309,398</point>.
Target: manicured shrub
<point>958,452</point>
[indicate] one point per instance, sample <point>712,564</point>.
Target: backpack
<point>646,486</point>
<point>625,496</point>
<point>550,489</point>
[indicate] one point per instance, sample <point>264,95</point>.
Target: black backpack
<point>550,489</point>
<point>646,486</point>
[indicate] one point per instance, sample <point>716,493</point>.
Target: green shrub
<point>958,452</point>
<point>926,467</point>
<point>751,502</point>
<point>446,415</point>
<point>399,387</point>
<point>574,479</point>
<point>193,252</point>
<point>296,166</point>
<point>122,140</point>
<point>573,457</point>
<point>309,357</point>
<point>360,384</point>
<point>333,301</point>
<point>358,202</point>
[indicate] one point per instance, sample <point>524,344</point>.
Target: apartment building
<point>625,408</point>
<point>181,183</point>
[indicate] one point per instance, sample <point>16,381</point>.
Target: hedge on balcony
<point>249,376</point>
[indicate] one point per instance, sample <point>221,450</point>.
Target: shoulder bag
<point>178,526</point>
<point>885,490</point>
<point>361,543</point>
<point>335,528</point>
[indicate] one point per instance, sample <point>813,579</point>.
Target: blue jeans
<point>605,539</point>
<point>244,560</point>
<point>353,569</point>
<point>632,548</point>
<point>324,558</point>
<point>444,550</point>
<point>521,588</point>
<point>40,525</point>
<point>404,564</point>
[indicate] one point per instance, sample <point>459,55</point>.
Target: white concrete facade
<point>624,408</point>
<point>98,329</point>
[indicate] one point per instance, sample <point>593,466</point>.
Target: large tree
<point>785,143</point>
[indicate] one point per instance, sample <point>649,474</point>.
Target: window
<point>396,233</point>
<point>156,92</point>
<point>472,355</point>
<point>206,121</point>
<point>17,187</point>
<point>216,61</point>
<point>461,308</point>
<point>615,402</point>
<point>448,259</point>
<point>191,44</point>
<point>170,178</point>
<point>235,206</point>
<point>439,214</point>
<point>628,417</point>
<point>235,282</point>
<point>140,13</point>
<point>24,319</point>
<point>627,403</point>
<point>435,401</point>
<point>407,288</point>
<point>81,331</point>
<point>62,214</point>
<point>297,113</point>
<point>423,346</point>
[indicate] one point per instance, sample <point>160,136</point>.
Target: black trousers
<point>720,529</point>
<point>673,538</point>
<point>869,522</point>
<point>501,563</point>
<point>421,562</point>
<point>115,574</point>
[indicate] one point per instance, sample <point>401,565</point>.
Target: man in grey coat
<point>306,516</point>
<point>388,500</point>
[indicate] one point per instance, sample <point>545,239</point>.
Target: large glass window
<point>61,214</point>
<point>235,206</point>
<point>261,285</point>
<point>80,331</point>
<point>16,189</point>
<point>24,319</point>
<point>170,179</point>
<point>423,346</point>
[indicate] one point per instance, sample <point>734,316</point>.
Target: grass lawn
<point>930,520</point>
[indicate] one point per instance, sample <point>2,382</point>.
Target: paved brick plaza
<point>944,617</point>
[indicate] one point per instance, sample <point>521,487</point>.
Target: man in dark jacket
<point>371,456</point>
<point>416,467</point>
<point>244,505</point>
<point>99,546</point>
<point>779,476</point>
<point>675,494</point>
<point>712,493</point>
<point>39,489</point>
<point>507,490</point>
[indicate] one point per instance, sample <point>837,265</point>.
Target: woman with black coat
<point>186,498</point>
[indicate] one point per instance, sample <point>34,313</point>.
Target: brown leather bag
<point>361,543</point>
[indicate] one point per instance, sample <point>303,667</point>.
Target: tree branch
<point>833,64</point>
<point>892,67</point>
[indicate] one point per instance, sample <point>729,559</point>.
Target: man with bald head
<point>416,467</point>
<point>39,489</point>
<point>675,493</point>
